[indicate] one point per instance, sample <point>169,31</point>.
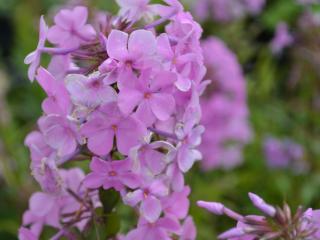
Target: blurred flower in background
<point>224,107</point>
<point>282,38</point>
<point>226,10</point>
<point>284,154</point>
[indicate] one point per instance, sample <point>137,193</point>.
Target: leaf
<point>109,199</point>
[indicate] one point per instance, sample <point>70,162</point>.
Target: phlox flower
<point>148,195</point>
<point>187,153</point>
<point>152,95</point>
<point>43,210</point>
<point>33,59</point>
<point>108,122</point>
<point>132,51</point>
<point>70,29</point>
<point>111,174</point>
<point>89,92</point>
<point>60,133</point>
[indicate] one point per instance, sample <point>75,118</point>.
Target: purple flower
<point>148,195</point>
<point>43,210</point>
<point>59,133</point>
<point>89,92</point>
<point>37,146</point>
<point>152,96</point>
<point>111,174</point>
<point>70,29</point>
<point>58,101</point>
<point>108,123</point>
<point>132,51</point>
<point>189,140</point>
<point>282,38</point>
<point>284,154</point>
<point>33,59</point>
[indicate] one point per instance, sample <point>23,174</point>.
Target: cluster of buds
<point>275,223</point>
<point>126,97</point>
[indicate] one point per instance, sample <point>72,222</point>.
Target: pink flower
<point>108,122</point>
<point>89,92</point>
<point>70,29</point>
<point>60,134</point>
<point>151,95</point>
<point>37,146</point>
<point>148,195</point>
<point>43,210</point>
<point>189,140</point>
<point>58,101</point>
<point>111,174</point>
<point>33,59</point>
<point>160,229</point>
<point>53,209</point>
<point>132,51</point>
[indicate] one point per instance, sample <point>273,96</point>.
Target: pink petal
<point>87,32</point>
<point>142,42</point>
<point>130,133</point>
<point>151,209</point>
<point>145,114</point>
<point>117,44</point>
<point>41,203</point>
<point>56,35</point>
<point>164,47</point>
<point>133,198</point>
<point>80,14</point>
<point>162,105</point>
<point>99,165</point>
<point>94,180</point>
<point>129,99</point>
<point>130,180</point>
<point>101,143</point>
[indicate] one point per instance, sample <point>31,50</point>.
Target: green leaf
<point>109,199</point>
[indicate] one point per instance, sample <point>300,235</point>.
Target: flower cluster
<point>227,10</point>
<point>225,114</point>
<point>126,97</point>
<point>275,223</point>
<point>284,154</point>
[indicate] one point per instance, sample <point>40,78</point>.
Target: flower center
<point>147,95</point>
<point>112,174</point>
<point>114,127</point>
<point>146,193</point>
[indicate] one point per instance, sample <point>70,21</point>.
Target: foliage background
<point>284,95</point>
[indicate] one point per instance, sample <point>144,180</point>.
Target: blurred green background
<point>283,96</point>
